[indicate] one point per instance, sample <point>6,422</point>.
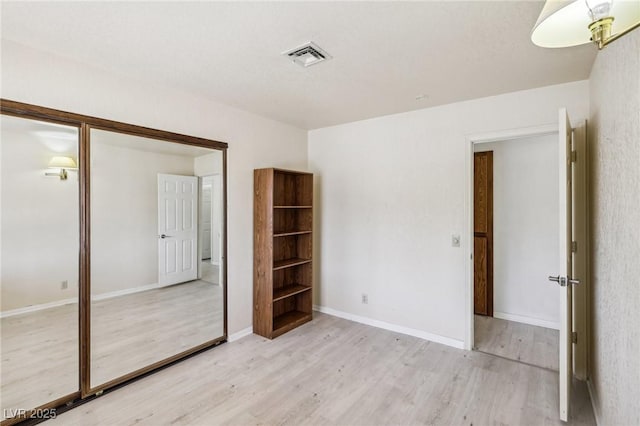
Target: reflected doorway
<point>211,223</point>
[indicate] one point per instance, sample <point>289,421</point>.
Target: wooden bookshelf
<point>282,244</point>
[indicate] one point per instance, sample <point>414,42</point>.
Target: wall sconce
<point>62,163</point>
<point>570,23</point>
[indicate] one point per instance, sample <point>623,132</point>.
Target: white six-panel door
<point>177,229</point>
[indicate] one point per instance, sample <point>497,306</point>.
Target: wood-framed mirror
<point>132,242</point>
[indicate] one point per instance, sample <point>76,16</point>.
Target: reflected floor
<point>209,271</point>
<point>137,330</point>
<point>521,342</point>
<point>39,357</point>
<point>40,349</point>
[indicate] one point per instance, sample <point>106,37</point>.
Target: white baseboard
<point>40,307</point>
<point>592,396</point>
<point>240,334</point>
<point>117,293</point>
<point>527,320</point>
<point>103,296</point>
<point>459,344</point>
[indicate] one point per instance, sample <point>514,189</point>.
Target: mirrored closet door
<point>112,254</point>
<point>156,251</point>
<point>39,228</point>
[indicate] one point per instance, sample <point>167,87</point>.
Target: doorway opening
<point>210,229</point>
<point>572,242</point>
<point>514,238</point>
<point>516,208</point>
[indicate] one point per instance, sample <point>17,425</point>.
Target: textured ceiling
<point>385,54</point>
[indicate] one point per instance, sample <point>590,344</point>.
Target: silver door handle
<point>163,236</point>
<point>563,281</point>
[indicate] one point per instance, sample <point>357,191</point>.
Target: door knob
<point>163,236</point>
<point>563,281</point>
<point>558,279</point>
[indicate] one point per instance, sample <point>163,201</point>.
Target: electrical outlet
<point>64,285</point>
<point>365,299</point>
<point>455,241</point>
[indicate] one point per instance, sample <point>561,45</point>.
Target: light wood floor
<point>517,341</point>
<point>39,357</point>
<point>333,371</point>
<point>142,328</point>
<point>40,349</point>
<point>209,272</point>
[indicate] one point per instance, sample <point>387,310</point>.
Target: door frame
<point>471,140</point>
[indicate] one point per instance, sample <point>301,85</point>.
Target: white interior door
<point>177,229</point>
<point>564,278</point>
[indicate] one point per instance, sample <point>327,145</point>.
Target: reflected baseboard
<point>57,303</point>
<point>40,307</point>
<point>124,292</point>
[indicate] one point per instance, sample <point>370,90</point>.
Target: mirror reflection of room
<point>39,262</point>
<point>156,251</point>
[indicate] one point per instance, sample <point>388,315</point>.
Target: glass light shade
<point>63,163</point>
<point>566,23</point>
<point>599,9</point>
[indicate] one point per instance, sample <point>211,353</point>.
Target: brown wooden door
<point>483,233</point>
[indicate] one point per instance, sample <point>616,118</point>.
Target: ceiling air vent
<point>308,54</point>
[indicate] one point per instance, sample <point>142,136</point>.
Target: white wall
<point>525,229</point>
<point>614,139</point>
<point>393,190</point>
<point>40,78</point>
<point>40,224</point>
<point>124,213</point>
<point>207,165</point>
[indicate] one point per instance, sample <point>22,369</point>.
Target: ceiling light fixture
<point>570,23</point>
<point>308,54</point>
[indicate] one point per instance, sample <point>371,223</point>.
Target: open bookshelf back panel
<point>292,189</point>
<point>300,302</point>
<point>292,220</point>
<point>300,275</point>
<point>292,246</point>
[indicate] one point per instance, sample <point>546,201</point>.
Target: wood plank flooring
<point>39,357</point>
<point>521,342</point>
<point>40,349</point>
<point>209,272</point>
<point>336,372</point>
<point>142,328</point>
